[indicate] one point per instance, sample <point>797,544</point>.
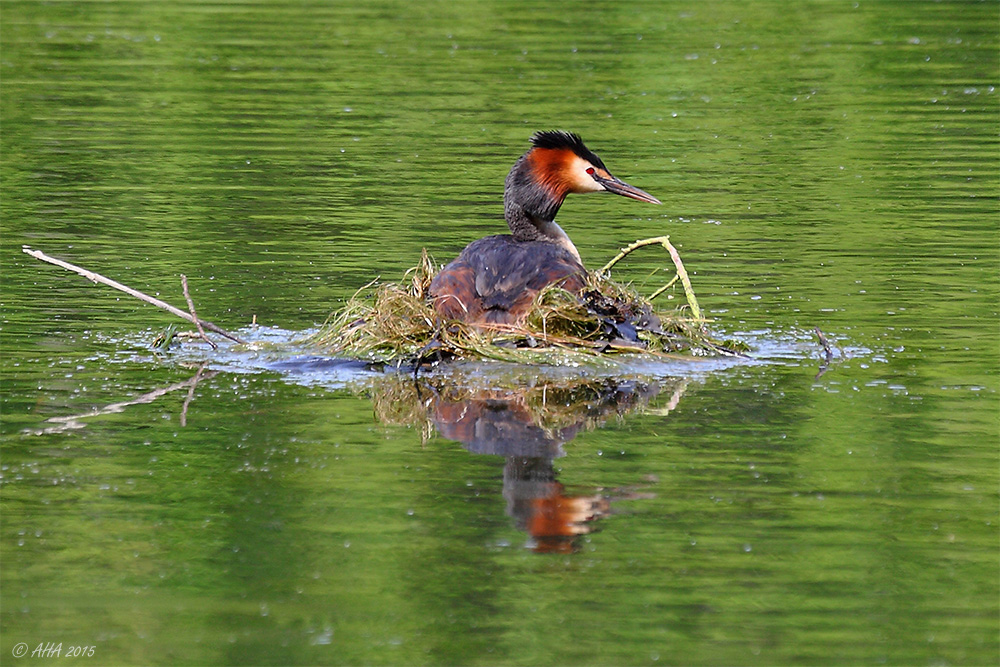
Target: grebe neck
<point>554,232</point>
<point>530,208</point>
<point>525,227</point>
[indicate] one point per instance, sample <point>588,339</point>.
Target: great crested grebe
<point>495,279</point>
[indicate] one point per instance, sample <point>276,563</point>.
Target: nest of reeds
<point>395,322</point>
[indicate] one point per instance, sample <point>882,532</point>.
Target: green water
<point>829,164</point>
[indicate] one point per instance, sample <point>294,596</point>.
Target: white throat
<point>550,229</point>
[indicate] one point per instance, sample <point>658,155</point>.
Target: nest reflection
<point>528,426</point>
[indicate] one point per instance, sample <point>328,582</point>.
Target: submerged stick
<point>678,264</point>
<point>98,278</point>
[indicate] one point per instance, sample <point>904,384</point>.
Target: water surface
<point>822,164</point>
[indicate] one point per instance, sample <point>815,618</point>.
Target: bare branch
<point>98,278</point>
<point>197,322</point>
<point>675,258</point>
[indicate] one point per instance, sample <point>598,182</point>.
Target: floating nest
<point>395,322</point>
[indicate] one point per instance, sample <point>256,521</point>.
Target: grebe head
<point>557,164</point>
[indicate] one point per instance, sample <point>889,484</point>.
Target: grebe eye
<point>591,171</point>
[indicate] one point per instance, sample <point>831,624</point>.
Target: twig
<point>827,353</point>
<point>74,421</point>
<point>625,251</point>
<point>98,278</point>
<point>194,383</point>
<point>678,264</point>
<point>675,399</point>
<point>665,287</point>
<point>688,290</point>
<point>197,322</point>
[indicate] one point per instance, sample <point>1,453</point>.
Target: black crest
<point>568,140</point>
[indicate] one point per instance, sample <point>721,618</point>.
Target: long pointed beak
<point>620,187</point>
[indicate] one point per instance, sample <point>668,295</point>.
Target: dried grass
<point>394,322</point>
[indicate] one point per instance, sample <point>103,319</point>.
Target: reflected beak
<point>620,187</point>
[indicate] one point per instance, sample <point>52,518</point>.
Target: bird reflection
<point>529,426</point>
<point>541,507</point>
